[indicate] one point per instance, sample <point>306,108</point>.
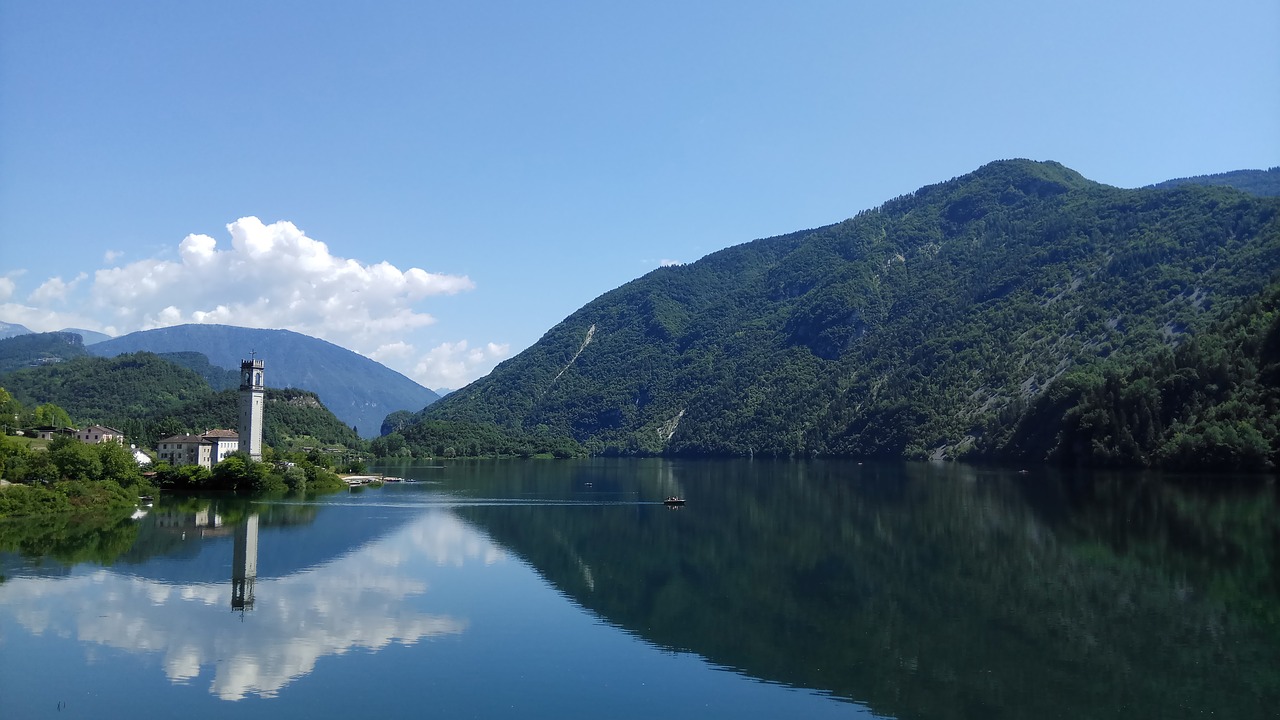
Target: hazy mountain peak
<point>8,330</point>
<point>89,336</point>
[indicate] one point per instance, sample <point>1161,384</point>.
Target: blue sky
<point>436,184</point>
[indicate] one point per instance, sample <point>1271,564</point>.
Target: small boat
<point>673,501</point>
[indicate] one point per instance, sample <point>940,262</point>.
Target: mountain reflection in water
<point>903,590</point>
<point>930,591</point>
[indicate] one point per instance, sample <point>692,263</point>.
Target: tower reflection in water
<point>244,564</point>
<point>207,523</point>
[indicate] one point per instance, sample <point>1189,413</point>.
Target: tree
<point>295,478</point>
<point>76,460</point>
<point>320,459</point>
<point>118,464</point>
<point>13,457</point>
<point>10,410</point>
<point>242,474</point>
<point>186,477</point>
<point>390,445</point>
<point>37,468</point>
<point>50,415</point>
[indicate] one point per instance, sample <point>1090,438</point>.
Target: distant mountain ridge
<point>924,328</point>
<point>90,337</point>
<point>1264,183</point>
<point>8,330</point>
<point>359,391</point>
<point>35,349</point>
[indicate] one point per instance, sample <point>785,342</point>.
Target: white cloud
<point>267,276</point>
<point>454,364</point>
<point>55,290</point>
<point>665,262</point>
<point>274,276</point>
<point>398,350</point>
<point>46,320</point>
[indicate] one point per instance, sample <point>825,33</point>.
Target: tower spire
<point>252,391</point>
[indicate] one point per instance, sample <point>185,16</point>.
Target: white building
<point>138,456</point>
<point>204,450</point>
<point>224,443</point>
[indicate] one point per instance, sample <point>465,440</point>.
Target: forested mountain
<point>35,349</point>
<point>1257,182</point>
<point>217,377</point>
<point>8,330</point>
<point>148,396</point>
<point>927,327</point>
<point>358,390</point>
<point>1210,403</point>
<point>291,417</point>
<point>106,390</point>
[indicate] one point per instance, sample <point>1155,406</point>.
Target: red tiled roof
<point>221,434</point>
<point>103,429</point>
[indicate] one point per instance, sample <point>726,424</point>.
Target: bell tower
<point>244,564</point>
<point>251,401</point>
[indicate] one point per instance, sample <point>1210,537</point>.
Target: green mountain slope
<point>358,390</point>
<point>218,378</point>
<point>149,396</point>
<point>36,349</point>
<point>290,417</point>
<point>925,327</point>
<point>107,390</point>
<point>1211,403</point>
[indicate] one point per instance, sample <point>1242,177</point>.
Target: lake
<point>552,589</point>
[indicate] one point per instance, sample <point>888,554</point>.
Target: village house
<point>205,450</point>
<point>49,432</point>
<point>100,434</point>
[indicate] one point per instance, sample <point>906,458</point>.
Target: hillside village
<point>204,450</point>
<point>92,434</point>
<point>49,465</point>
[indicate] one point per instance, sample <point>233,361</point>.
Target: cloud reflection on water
<point>354,602</point>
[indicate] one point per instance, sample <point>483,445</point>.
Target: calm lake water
<point>561,589</point>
